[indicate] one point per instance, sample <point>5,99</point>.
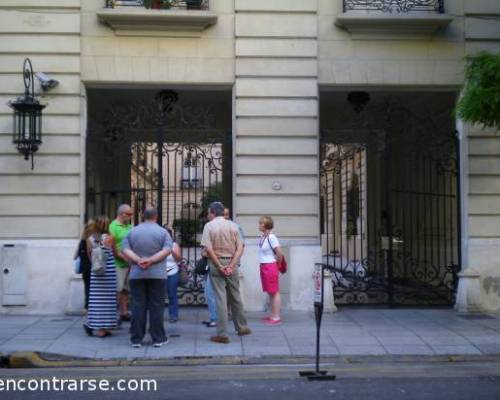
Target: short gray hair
<point>216,208</point>
<point>122,208</point>
<point>150,213</point>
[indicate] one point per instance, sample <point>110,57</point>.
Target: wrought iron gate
<point>390,215</point>
<point>164,154</point>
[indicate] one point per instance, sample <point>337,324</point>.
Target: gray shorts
<point>122,279</point>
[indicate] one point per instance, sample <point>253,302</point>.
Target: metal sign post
<point>319,298</point>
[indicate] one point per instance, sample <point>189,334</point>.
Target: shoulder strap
<point>270,245</point>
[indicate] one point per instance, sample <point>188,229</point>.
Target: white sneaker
<point>136,345</point>
<point>159,344</point>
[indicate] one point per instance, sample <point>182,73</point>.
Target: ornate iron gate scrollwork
<point>399,6</point>
<point>390,217</point>
<point>163,153</point>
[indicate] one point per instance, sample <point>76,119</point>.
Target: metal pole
<point>317,374</point>
<point>159,192</point>
<point>319,316</point>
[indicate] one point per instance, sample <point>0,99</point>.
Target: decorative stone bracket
<point>381,26</point>
<point>144,22</point>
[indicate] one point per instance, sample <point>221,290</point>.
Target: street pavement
<point>349,332</point>
<point>375,380</point>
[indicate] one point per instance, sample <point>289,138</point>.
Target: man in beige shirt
<point>222,241</point>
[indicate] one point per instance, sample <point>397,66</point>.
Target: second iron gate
<point>390,217</point>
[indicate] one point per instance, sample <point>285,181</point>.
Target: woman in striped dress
<point>102,313</point>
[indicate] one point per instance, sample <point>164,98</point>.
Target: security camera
<point>46,82</point>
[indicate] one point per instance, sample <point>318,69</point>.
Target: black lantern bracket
<point>27,135</point>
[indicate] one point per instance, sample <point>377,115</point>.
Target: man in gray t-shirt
<point>147,246</point>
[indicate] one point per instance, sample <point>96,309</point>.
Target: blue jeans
<point>210,297</point>
<point>173,301</point>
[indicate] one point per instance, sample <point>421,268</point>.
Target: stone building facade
<point>275,76</point>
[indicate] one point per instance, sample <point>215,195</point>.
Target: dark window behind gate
<point>390,215</point>
<point>161,154</point>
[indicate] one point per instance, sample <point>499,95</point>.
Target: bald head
<point>150,214</point>
<point>124,213</point>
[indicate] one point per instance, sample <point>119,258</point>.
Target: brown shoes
<point>220,339</point>
<point>244,332</point>
<point>225,339</point>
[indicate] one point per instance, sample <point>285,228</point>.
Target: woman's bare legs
<point>275,305</point>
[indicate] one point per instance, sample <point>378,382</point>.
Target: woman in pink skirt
<point>269,256</point>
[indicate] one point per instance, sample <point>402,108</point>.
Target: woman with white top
<point>173,280</point>
<point>269,256</point>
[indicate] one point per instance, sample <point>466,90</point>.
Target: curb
<point>29,359</point>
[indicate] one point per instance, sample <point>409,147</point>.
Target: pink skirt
<point>270,277</point>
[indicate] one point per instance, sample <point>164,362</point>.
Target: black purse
<point>201,267</point>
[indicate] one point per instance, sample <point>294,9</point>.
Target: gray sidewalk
<point>361,332</point>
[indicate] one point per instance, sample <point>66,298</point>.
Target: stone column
<point>276,131</point>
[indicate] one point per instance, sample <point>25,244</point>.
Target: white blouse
<point>266,253</point>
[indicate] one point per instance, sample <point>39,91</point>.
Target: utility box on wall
<point>13,271</point>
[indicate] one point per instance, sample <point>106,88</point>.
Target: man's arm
<point>213,257</point>
<point>160,256</point>
<point>206,242</point>
<point>129,253</point>
<point>239,252</point>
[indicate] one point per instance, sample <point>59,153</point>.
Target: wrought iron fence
<point>161,4</point>
<point>395,6</point>
<point>161,153</point>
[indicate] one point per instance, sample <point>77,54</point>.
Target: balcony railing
<point>386,19</point>
<point>395,6</point>
<point>157,17</point>
<point>161,4</point>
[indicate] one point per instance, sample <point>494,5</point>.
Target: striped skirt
<point>102,312</point>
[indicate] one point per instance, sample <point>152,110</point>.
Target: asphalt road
<point>472,380</point>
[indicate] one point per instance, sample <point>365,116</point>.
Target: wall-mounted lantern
<point>27,134</point>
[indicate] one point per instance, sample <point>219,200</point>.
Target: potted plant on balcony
<point>158,4</point>
<point>193,4</point>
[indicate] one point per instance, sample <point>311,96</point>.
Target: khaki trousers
<point>227,291</point>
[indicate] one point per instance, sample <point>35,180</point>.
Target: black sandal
<point>88,330</point>
<point>106,334</point>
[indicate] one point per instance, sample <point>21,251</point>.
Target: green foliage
<point>480,103</point>
<point>188,228</point>
<point>214,192</point>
